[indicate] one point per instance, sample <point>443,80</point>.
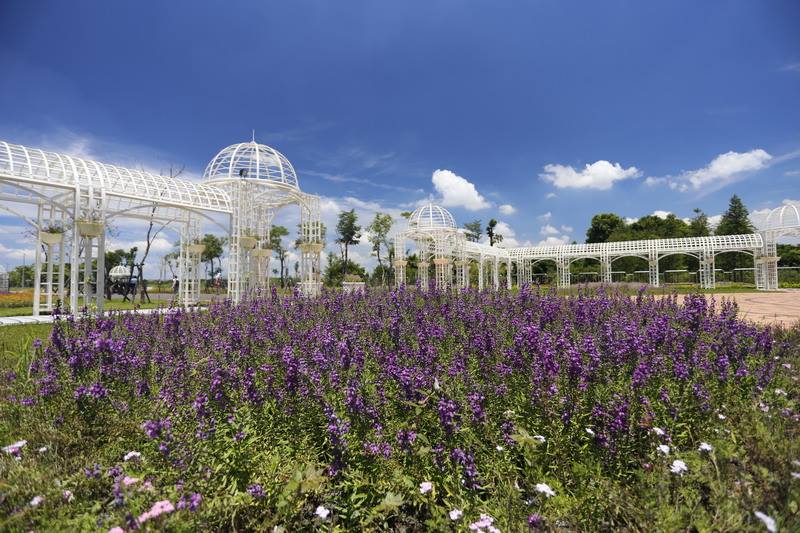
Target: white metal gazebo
<point>260,181</point>
<point>438,240</point>
<point>69,201</point>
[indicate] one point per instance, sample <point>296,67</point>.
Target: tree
<point>603,226</point>
<point>336,270</point>
<point>171,259</point>
<point>153,229</point>
<point>698,226</point>
<point>21,276</point>
<point>736,220</point>
<point>276,235</point>
<point>789,254</point>
<point>379,236</point>
<point>474,231</point>
<point>213,250</point>
<point>490,232</point>
<point>349,233</point>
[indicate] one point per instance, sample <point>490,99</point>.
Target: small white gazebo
<point>260,181</point>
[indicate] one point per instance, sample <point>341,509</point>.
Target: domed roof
<point>431,216</point>
<point>119,272</point>
<point>251,161</point>
<point>785,216</point>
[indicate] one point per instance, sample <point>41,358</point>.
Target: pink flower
<point>158,508</point>
<point>116,529</point>
<point>425,487</point>
<point>128,481</point>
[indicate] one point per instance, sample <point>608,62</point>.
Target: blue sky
<point>557,109</point>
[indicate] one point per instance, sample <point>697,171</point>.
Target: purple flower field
<point>405,412</point>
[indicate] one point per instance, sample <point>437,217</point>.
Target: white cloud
<point>547,229</point>
<point>509,240</point>
<point>508,233</point>
<point>566,229</point>
<point>651,181</point>
<point>599,175</point>
<point>661,214</point>
<point>792,173</point>
<point>713,221</point>
<point>545,217</point>
<point>722,170</point>
<point>791,67</point>
<point>555,241</point>
<point>507,209</point>
<point>630,220</point>
<point>17,254</point>
<point>550,195</point>
<point>457,191</point>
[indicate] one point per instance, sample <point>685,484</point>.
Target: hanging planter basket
<point>88,228</point>
<point>261,252</point>
<point>50,237</point>
<point>312,247</point>
<point>196,249</point>
<point>247,242</point>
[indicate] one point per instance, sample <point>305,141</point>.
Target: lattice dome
<point>785,216</point>
<point>251,161</point>
<point>119,272</point>
<point>431,216</point>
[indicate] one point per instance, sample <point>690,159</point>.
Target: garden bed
<point>396,410</point>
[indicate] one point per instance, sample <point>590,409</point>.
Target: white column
<point>653,267</point>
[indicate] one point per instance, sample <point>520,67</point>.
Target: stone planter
<point>353,286</point>
<point>88,228</point>
<point>247,242</point>
<point>51,238</point>
<point>310,288</point>
<point>196,249</point>
<point>261,252</point>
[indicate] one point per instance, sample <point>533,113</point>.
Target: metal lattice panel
<point>252,161</point>
<point>49,169</point>
<point>695,245</point>
<point>431,216</point>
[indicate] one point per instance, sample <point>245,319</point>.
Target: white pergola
<point>437,238</point>
<point>68,202</point>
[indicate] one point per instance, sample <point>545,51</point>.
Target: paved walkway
<point>780,307</point>
<point>47,319</point>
